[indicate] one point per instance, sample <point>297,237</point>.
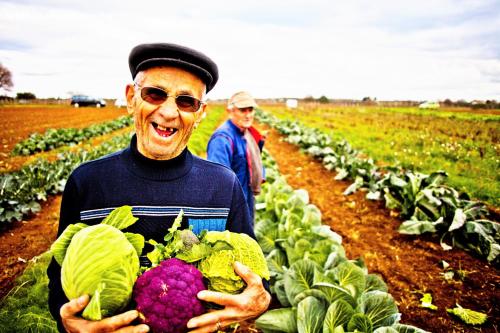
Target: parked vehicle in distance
<point>84,100</point>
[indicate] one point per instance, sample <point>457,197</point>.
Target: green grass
<point>198,142</point>
<point>464,144</point>
<point>453,113</point>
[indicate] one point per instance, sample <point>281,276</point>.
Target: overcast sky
<point>388,49</point>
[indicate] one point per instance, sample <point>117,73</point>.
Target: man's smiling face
<point>163,130</point>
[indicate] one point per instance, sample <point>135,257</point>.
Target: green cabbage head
<point>101,261</point>
<point>228,247</point>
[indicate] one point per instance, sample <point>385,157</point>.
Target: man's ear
<point>229,110</point>
<point>129,93</point>
<point>202,115</point>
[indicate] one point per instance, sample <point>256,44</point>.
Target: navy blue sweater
<point>209,194</point>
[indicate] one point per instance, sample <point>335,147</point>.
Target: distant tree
<point>309,98</point>
<point>369,101</point>
<point>5,78</point>
<point>447,102</point>
<point>5,98</point>
<point>25,95</point>
<point>323,99</point>
<point>489,104</point>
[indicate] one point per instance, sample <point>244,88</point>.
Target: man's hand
<point>253,301</point>
<point>119,323</point>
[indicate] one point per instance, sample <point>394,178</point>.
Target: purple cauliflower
<point>166,295</point>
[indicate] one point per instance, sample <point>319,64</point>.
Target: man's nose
<point>169,108</point>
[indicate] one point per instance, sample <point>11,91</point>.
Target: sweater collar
<point>151,169</point>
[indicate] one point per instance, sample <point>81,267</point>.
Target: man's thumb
<point>246,274</point>
<point>74,306</point>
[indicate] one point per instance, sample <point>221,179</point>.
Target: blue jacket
<point>228,147</point>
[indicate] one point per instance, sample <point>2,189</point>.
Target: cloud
<point>13,45</point>
<point>385,49</point>
<point>40,74</point>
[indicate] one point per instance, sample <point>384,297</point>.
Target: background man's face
<point>243,118</point>
<point>162,130</point>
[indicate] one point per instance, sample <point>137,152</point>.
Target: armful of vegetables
<point>231,265</point>
<point>103,262</point>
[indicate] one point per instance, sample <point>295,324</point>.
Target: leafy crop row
<point>465,144</point>
<point>54,138</point>
<point>22,190</point>
<point>319,288</point>
<point>25,307</point>
<point>425,202</point>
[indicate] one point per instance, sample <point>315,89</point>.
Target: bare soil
<point>19,122</point>
<point>409,265</point>
<point>26,239</point>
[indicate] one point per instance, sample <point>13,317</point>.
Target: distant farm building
<point>292,103</point>
<point>429,105</point>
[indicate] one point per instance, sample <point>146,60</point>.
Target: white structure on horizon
<point>429,105</point>
<point>292,103</point>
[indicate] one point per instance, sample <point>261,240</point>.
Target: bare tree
<point>5,78</point>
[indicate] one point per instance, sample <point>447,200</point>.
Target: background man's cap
<point>145,56</point>
<point>241,100</point>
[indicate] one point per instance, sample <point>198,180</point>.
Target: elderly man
<point>237,145</point>
<point>157,175</point>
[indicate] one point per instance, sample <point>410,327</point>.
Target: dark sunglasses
<point>157,96</point>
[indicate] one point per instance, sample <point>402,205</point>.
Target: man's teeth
<point>161,128</point>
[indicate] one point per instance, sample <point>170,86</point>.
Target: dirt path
<point>409,265</point>
<point>26,239</point>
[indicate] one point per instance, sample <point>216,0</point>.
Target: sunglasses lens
<point>153,95</point>
<point>158,96</point>
<point>187,103</point>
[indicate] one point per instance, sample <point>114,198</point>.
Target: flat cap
<point>242,99</point>
<point>145,56</point>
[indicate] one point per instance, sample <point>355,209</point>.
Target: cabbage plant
<point>101,261</point>
<point>425,202</point>
<point>321,291</point>
<point>226,248</point>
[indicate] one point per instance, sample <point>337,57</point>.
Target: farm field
<point>411,266</point>
<point>18,122</point>
<point>464,143</point>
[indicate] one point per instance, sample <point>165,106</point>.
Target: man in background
<point>238,145</point>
